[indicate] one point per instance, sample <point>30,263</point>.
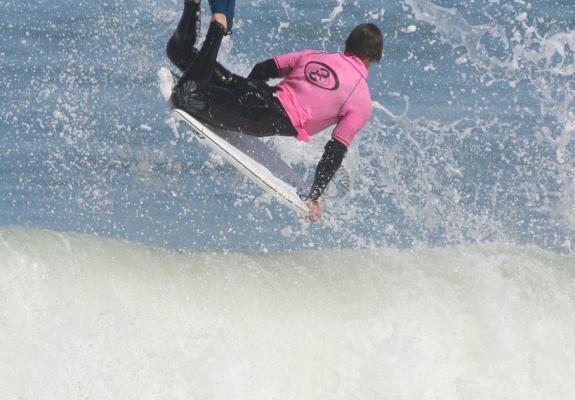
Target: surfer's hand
<point>314,211</point>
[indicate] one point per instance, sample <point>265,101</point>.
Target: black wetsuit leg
<point>180,47</point>
<point>213,94</point>
<point>189,91</point>
<point>204,64</point>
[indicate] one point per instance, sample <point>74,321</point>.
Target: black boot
<point>180,48</point>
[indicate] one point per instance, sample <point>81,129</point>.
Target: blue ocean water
<point>471,139</point>
<point>134,264</point>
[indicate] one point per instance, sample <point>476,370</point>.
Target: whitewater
<point>135,264</point>
<point>93,318</point>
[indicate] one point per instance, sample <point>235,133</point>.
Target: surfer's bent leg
<point>188,92</point>
<point>180,48</point>
<point>202,68</point>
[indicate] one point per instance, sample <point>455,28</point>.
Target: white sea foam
<point>166,82</point>
<point>542,61</point>
<point>338,9</point>
<point>96,318</point>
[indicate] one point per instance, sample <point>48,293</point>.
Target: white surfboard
<point>251,157</point>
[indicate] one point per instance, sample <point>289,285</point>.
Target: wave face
<point>471,138</point>
<point>83,317</point>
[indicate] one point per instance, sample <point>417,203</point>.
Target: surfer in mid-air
<point>318,89</point>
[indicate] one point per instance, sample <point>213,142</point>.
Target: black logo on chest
<point>321,75</point>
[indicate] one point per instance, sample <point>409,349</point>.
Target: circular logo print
<point>321,75</point>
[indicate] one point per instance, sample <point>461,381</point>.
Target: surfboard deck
<point>252,158</point>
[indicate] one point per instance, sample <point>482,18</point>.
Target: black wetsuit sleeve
<point>330,162</point>
<point>265,71</point>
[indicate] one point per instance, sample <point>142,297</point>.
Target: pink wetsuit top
<point>322,89</point>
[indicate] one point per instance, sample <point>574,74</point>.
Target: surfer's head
<point>366,42</point>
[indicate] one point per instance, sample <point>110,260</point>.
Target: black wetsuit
<point>222,98</point>
<point>216,96</point>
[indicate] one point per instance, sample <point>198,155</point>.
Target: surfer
<point>318,90</point>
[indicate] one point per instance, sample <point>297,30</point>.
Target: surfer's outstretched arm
<point>333,155</point>
<point>330,162</point>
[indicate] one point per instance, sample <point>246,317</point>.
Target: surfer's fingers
<point>314,211</point>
